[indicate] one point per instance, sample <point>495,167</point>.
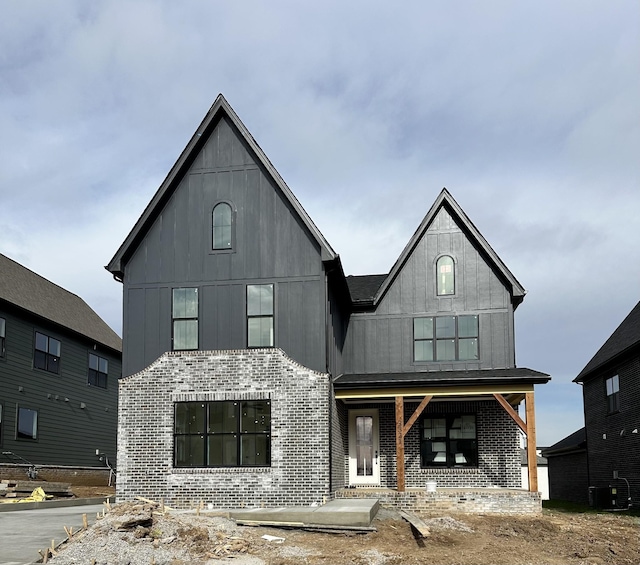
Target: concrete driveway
<point>24,532</point>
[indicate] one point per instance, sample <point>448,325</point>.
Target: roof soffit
<point>219,110</point>
<point>445,199</point>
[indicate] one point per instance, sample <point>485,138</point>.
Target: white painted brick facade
<point>299,471</point>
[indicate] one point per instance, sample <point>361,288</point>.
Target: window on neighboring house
<point>222,226</point>
<point>98,371</point>
<point>260,315</point>
<point>613,394</point>
<point>185,319</point>
<point>449,441</point>
<point>222,434</point>
<point>47,353</point>
<point>2,336</point>
<point>27,425</point>
<point>445,338</point>
<point>445,272</point>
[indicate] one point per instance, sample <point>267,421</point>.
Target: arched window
<point>222,219</point>
<point>445,276</point>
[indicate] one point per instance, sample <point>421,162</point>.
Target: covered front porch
<point>431,444</point>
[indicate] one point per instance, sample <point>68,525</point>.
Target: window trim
<point>453,276</point>
<point>613,397</point>
<point>231,249</point>
<point>449,463</point>
<point>238,434</point>
<point>175,319</point>
<point>49,357</point>
<point>272,316</point>
<point>35,424</point>
<point>98,372</point>
<point>456,337</point>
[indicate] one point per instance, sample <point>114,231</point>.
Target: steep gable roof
<point>446,200</point>
<point>218,110</point>
<point>31,292</point>
<point>624,338</point>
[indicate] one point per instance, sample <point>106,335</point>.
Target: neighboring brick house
<point>567,468</point>
<point>256,373</point>
<point>59,370</point>
<point>611,395</point>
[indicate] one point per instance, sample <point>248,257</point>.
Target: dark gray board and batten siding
<point>271,246</point>
<point>67,434</point>
<point>382,340</point>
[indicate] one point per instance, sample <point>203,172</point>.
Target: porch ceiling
<point>514,393</point>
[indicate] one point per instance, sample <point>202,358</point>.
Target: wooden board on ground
<point>416,522</point>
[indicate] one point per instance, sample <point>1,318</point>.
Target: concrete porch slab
<point>344,512</point>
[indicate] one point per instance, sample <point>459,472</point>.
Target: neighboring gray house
<point>59,370</point>
<point>256,373</point>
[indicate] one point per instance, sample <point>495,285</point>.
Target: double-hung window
<point>47,353</point>
<point>98,371</point>
<point>260,315</point>
<point>613,394</point>
<point>3,336</point>
<point>185,319</point>
<point>449,441</point>
<point>222,434</point>
<point>445,338</point>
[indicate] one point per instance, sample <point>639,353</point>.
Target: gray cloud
<point>528,113</point>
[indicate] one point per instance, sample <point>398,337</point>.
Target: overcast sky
<point>528,112</point>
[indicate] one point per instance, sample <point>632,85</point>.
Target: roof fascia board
<point>445,198</point>
<point>219,109</point>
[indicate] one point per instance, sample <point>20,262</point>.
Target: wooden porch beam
<point>400,443</point>
<point>532,456</point>
<point>416,414</point>
<point>517,419</point>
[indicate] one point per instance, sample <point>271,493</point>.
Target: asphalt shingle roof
<point>440,378</point>
<point>626,336</point>
<point>576,440</point>
<point>24,288</point>
<point>363,288</point>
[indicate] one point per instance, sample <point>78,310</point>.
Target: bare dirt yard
<point>139,533</point>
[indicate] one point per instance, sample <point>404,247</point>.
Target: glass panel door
<point>364,461</point>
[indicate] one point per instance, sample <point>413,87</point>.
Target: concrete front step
<point>344,512</point>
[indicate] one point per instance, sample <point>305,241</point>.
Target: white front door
<point>364,447</point>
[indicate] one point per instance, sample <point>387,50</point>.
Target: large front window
<point>260,315</point>
<point>222,434</point>
<point>449,441</point>
<point>47,353</point>
<point>185,319</point>
<point>445,338</point>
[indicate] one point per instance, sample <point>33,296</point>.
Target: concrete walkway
<point>339,512</point>
<point>24,532</point>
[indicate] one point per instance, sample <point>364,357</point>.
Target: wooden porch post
<point>532,458</point>
<point>400,443</point>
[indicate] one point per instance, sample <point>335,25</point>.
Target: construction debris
<point>20,489</point>
<point>417,523</point>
